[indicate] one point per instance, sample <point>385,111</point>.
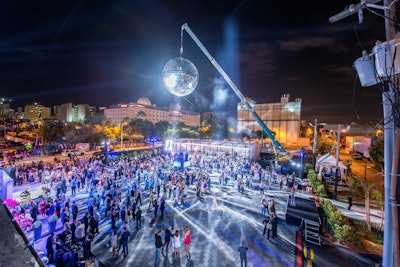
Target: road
<point>363,169</point>
<point>217,233</point>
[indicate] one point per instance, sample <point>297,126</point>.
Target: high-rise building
<point>36,112</point>
<point>69,112</point>
<point>283,119</point>
<point>5,108</point>
<point>145,110</point>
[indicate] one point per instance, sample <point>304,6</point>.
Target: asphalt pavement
<point>218,232</point>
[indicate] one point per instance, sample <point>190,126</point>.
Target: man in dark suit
<point>73,228</point>
<point>49,248</point>
<point>158,243</point>
<point>138,218</point>
<point>124,241</point>
<point>162,207</point>
<point>350,200</point>
<point>243,254</point>
<point>75,210</point>
<point>155,204</point>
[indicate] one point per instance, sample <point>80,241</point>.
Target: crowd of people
<point>117,191</point>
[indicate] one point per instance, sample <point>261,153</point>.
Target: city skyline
<point>103,53</point>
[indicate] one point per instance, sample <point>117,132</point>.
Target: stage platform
<point>305,208</point>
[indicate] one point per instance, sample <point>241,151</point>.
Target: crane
<point>267,131</point>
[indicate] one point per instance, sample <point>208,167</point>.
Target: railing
<point>311,232</point>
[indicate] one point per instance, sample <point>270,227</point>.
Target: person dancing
<point>215,202</point>
<point>187,241</point>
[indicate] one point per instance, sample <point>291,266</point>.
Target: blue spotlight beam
<point>185,27</point>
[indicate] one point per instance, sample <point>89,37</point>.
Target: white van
<point>72,152</point>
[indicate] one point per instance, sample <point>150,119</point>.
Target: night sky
<point>109,52</point>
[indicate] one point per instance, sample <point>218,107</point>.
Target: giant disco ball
<point>180,76</point>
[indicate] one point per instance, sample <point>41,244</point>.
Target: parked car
<point>357,156</point>
<point>99,155</point>
<point>72,152</point>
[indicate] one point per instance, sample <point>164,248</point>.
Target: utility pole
<point>302,156</point>
<point>367,205</point>
<point>391,243</point>
<point>392,138</point>
<point>122,134</point>
<point>337,170</point>
<point>315,125</point>
<point>314,146</point>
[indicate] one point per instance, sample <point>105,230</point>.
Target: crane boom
<point>185,27</point>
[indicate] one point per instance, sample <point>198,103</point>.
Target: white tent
<point>328,162</point>
<point>323,157</point>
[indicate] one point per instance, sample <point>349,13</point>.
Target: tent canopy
<point>328,162</point>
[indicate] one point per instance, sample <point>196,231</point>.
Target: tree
<point>95,119</point>
<point>22,127</point>
<point>182,133</point>
<point>367,189</point>
<point>306,132</point>
<point>141,114</point>
<point>180,124</point>
<point>160,128</point>
<point>205,131</point>
<point>112,132</point>
<point>50,130</point>
<point>361,187</point>
<point>139,126</point>
<point>377,194</point>
<point>212,129</point>
<point>307,167</point>
<point>78,132</point>
<point>188,133</point>
<point>324,144</point>
<point>98,134</point>
<point>376,151</point>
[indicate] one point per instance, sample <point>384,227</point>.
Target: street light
<point>315,125</point>
<point>106,149</point>
<point>337,159</point>
<point>122,133</point>
<point>152,140</point>
<point>302,156</point>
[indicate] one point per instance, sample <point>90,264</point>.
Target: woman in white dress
<point>176,242</point>
<point>215,202</point>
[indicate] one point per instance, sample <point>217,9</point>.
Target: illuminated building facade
<point>283,119</point>
<point>145,110</point>
<point>5,109</point>
<point>36,112</point>
<point>74,113</point>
